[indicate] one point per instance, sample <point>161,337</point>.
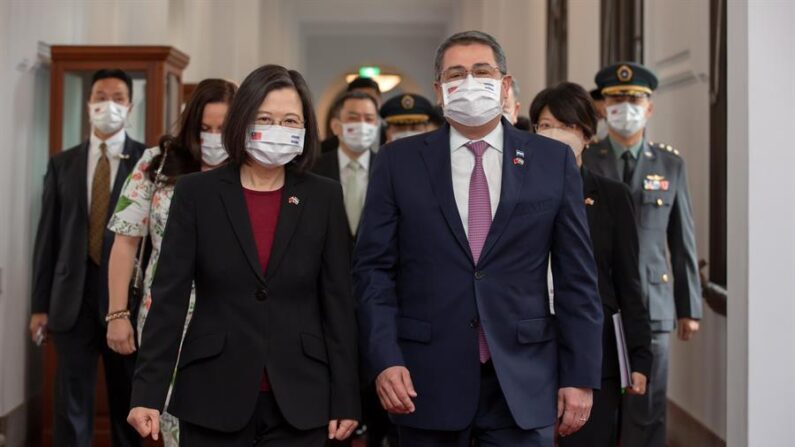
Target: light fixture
<point>386,82</point>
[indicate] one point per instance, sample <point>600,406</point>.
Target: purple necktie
<point>479,221</point>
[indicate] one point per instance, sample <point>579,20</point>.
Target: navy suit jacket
<point>421,296</point>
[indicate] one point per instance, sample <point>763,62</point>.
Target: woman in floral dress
<point>143,208</point>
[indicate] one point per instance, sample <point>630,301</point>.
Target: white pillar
<point>761,220</point>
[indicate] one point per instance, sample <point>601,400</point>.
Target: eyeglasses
<point>289,121</point>
<point>479,71</point>
<point>549,126</point>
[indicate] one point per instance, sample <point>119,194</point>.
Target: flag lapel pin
<point>293,200</point>
<point>589,201</point>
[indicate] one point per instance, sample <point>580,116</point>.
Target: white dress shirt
<point>115,147</point>
<point>463,162</point>
<point>364,171</point>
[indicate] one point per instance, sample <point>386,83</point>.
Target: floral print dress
<point>142,210</point>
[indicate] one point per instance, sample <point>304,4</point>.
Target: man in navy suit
<point>458,230</point>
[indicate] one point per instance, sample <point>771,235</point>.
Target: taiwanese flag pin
<point>293,200</point>
<point>518,161</point>
<point>589,201</point>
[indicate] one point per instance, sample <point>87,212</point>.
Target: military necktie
<point>98,214</point>
<point>353,195</point>
<point>629,167</point>
<point>479,221</point>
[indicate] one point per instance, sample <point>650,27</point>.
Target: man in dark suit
<point>70,291</point>
<point>363,85</point>
<point>657,178</point>
<point>356,127</point>
<point>451,271</point>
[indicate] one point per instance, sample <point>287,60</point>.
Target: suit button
<point>664,277</point>
<point>659,202</point>
<point>262,294</point>
<point>474,323</point>
<point>479,275</point>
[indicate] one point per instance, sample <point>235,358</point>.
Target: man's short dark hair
<point>107,73</point>
<point>243,112</point>
<point>469,38</point>
<point>361,82</point>
<point>347,96</point>
<point>570,104</point>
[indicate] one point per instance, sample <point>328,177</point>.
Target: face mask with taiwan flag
<point>472,102</point>
<point>273,146</point>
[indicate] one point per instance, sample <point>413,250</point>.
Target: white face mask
<point>567,137</point>
<point>108,116</point>
<point>213,152</point>
<point>404,134</point>
<point>360,136</point>
<point>626,119</point>
<point>601,129</point>
<point>274,146</point>
<point>472,102</point>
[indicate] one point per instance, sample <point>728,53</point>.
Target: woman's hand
<point>121,337</point>
<point>341,429</point>
<point>638,384</point>
<point>145,421</point>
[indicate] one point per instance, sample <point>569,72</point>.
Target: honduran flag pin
<point>519,153</point>
<point>518,161</point>
<point>293,200</point>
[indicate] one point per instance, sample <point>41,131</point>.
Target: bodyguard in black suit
<point>565,113</point>
<point>70,292</point>
<point>269,358</point>
<point>356,127</point>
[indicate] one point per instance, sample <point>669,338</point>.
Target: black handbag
<point>135,292</point>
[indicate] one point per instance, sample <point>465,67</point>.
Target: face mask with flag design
<point>273,146</point>
<point>472,102</point>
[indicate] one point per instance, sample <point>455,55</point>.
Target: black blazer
<point>296,319</point>
<point>615,246</point>
<point>61,248</point>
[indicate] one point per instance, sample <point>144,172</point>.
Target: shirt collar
<point>494,138</point>
<point>619,149</point>
<point>115,143</point>
<point>364,159</point>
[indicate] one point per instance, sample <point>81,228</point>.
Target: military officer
<point>657,177</point>
<point>406,115</point>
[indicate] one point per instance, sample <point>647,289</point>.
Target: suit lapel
<point>82,178</point>
<point>606,161</point>
<point>293,203</point>
<point>591,195</point>
<point>235,203</point>
<point>513,176</point>
<point>127,163</point>
<point>437,161</point>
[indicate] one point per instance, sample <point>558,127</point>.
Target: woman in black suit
<point>565,113</point>
<point>269,358</point>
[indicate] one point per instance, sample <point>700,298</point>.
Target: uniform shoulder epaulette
<point>664,147</point>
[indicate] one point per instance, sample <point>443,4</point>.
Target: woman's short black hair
<point>570,104</point>
<point>115,73</point>
<point>243,113</point>
<point>184,148</point>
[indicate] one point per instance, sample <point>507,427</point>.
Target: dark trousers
<point>77,350</point>
<point>267,428</point>
<point>643,417</point>
<point>601,430</point>
<point>493,426</point>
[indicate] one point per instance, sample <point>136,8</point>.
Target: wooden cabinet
<point>157,89</point>
<point>157,102</point>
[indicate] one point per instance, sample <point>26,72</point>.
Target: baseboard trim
<point>685,431</point>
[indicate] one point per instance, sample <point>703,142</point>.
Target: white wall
<point>761,222</point>
<point>697,376</point>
